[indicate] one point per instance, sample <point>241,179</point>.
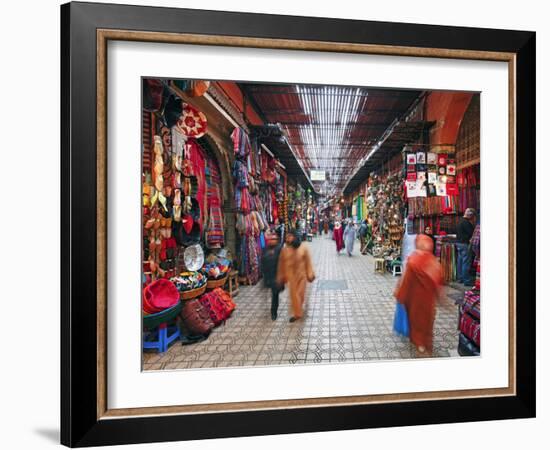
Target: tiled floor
<point>349,317</point>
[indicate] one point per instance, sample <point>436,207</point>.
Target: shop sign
<point>318,175</point>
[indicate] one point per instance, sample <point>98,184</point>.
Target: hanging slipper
<point>177,213</point>
<point>152,265</point>
<point>162,201</point>
<point>188,204</point>
<point>149,224</point>
<point>177,197</point>
<point>156,224</point>
<point>177,162</point>
<point>154,197</point>
<point>158,246</point>
<point>166,229</point>
<point>152,247</point>
<point>187,168</point>
<point>159,184</point>
<point>146,194</point>
<point>187,222</point>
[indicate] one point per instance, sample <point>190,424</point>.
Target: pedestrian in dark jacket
<point>464,232</point>
<point>270,262</point>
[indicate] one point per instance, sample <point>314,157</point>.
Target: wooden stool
<point>233,283</point>
<point>379,265</point>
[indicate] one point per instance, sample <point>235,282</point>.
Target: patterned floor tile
<point>348,317</point>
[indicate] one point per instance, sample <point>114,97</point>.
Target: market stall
<point>183,250</point>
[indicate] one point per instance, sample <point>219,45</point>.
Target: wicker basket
<point>151,321</point>
<point>193,293</point>
<point>213,284</point>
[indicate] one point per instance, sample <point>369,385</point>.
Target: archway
<point>224,164</point>
<point>447,110</point>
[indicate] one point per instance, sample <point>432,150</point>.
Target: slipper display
<point>177,205</point>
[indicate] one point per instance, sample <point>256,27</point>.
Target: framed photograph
<point>214,284</point>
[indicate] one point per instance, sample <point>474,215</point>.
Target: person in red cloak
<point>418,290</point>
<point>338,236</point>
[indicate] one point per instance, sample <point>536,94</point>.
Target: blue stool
<point>160,338</point>
<point>160,335</point>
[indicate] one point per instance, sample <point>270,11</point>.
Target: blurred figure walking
<point>418,290</point>
<point>350,233</point>
<point>331,229</point>
<point>338,236</point>
<point>295,268</point>
<point>270,262</point>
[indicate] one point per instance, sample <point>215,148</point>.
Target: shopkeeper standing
<point>464,233</point>
<point>429,232</point>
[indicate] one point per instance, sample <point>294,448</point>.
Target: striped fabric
<point>215,229</point>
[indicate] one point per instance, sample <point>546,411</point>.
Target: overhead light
<point>331,111</point>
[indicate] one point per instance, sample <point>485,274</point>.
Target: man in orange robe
<point>295,268</point>
<point>419,290</point>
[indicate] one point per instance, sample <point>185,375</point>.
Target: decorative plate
<point>193,257</point>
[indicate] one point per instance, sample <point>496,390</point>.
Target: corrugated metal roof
<point>330,128</point>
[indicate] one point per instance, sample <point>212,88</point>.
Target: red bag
<point>215,306</point>
<point>470,327</point>
<point>226,299</point>
<point>196,319</point>
<point>471,304</point>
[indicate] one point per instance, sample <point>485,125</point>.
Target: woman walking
<point>349,236</point>
<point>418,290</point>
<point>338,236</point>
<point>295,268</point>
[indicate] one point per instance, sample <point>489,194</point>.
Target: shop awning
<point>275,140</point>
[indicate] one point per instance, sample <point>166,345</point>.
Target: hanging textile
<point>215,231</point>
<point>249,220</point>
<point>468,188</point>
<point>241,143</point>
<point>197,159</point>
<point>448,260</point>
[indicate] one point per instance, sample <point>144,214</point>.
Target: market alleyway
<point>349,317</point>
